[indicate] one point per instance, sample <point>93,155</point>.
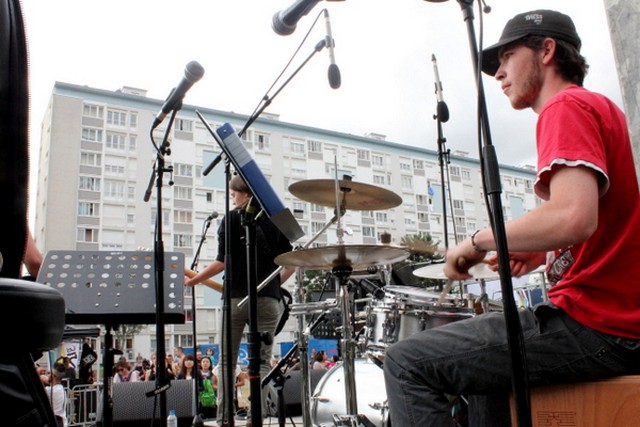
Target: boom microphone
<point>441,109</point>
<point>285,21</point>
<point>213,216</point>
<point>192,73</point>
<point>334,72</point>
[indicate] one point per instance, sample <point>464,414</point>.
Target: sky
<point>382,47</point>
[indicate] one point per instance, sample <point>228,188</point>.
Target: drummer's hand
<point>520,263</point>
<point>460,259</point>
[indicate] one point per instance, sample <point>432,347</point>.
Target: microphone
<point>334,72</point>
<point>213,164</point>
<point>192,73</point>
<point>372,288</point>
<point>284,22</point>
<point>213,216</point>
<point>442,110</point>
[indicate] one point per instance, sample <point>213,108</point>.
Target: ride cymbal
<point>353,195</point>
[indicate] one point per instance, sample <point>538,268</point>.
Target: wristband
<point>473,243</point>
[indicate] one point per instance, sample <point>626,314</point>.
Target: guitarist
<point>270,243</point>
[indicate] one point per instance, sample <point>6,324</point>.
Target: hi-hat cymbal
<point>354,256</point>
<point>436,271</point>
<point>353,195</point>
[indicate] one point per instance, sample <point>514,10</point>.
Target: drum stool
<point>613,402</point>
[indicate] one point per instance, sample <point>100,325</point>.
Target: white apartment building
<point>97,158</point>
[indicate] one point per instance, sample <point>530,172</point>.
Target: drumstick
<point>209,282</point>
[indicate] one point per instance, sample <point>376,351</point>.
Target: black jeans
<point>471,357</point>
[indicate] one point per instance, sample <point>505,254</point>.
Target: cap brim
<point>491,55</point>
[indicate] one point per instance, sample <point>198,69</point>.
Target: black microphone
<point>213,164</point>
<point>284,22</point>
<point>441,109</point>
<point>333,72</point>
<point>213,216</point>
<point>372,288</point>
<point>192,73</point>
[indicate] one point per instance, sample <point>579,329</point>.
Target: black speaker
<point>131,406</point>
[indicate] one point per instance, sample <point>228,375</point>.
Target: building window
<point>90,159</point>
<point>113,190</point>
<point>316,227</point>
<point>454,170</point>
<point>132,143</point>
<point>404,166</point>
<point>116,141</point>
<point>368,231</point>
<point>262,142</point>
<point>314,146</point>
<point>406,181</point>
<point>181,169</point>
<point>466,174</point>
<point>92,110</point>
<point>422,199</point>
<point>382,217</point>
<point>182,193</point>
<point>117,118</point>
<point>458,204</point>
<point>183,217</point>
<point>317,208</point>
<point>88,209</point>
<point>133,120</point>
<point>364,155</point>
<point>182,241</point>
<point>377,160</point>
<point>89,235</point>
<point>379,179</point>
<point>367,214</point>
<point>418,164</point>
<point>183,125</point>
<point>297,148</point>
<point>89,183</point>
<point>92,134</point>
<point>423,217</point>
<point>114,170</point>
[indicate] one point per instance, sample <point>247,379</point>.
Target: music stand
<point>113,288</point>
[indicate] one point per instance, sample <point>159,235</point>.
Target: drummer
<point>589,224</point>
<point>270,242</point>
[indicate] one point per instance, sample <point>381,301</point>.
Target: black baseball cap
<point>546,23</point>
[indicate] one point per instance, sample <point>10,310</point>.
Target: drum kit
<point>394,313</point>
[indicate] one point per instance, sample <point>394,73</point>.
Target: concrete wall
<point>624,24</point>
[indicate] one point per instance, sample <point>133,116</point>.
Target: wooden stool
<point>608,403</point>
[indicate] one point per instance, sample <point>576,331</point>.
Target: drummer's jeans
<point>471,357</point>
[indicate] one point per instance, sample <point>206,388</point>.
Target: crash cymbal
<point>354,256</point>
<point>435,271</point>
<point>353,195</point>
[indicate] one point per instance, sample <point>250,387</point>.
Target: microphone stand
<point>225,348</point>
<point>265,102</point>
<point>162,381</point>
<point>254,337</point>
<point>443,158</point>
<point>491,181</point>
<point>197,419</point>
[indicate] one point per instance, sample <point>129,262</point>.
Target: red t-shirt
<point>598,282</point>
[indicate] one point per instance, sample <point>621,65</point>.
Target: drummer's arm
<point>285,273</point>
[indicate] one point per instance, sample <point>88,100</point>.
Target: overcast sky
<point>383,49</point>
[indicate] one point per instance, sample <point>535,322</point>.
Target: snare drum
<point>329,397</point>
<point>408,310</point>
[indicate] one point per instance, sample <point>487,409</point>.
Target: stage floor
<point>268,422</point>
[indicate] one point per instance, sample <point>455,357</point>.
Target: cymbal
<point>353,195</point>
<point>436,271</point>
<point>354,256</point>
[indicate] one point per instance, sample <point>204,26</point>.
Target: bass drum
<point>329,397</point>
